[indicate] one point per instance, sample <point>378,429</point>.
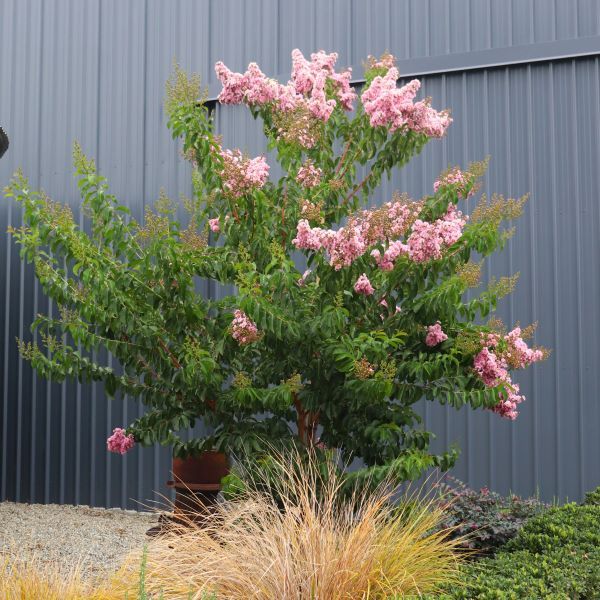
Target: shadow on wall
<point>3,142</point>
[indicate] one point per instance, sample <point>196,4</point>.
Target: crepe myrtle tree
<point>335,356</point>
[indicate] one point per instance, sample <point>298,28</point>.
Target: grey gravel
<point>96,539</point>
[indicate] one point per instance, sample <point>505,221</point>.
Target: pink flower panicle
<point>458,178</point>
<point>308,175</point>
<point>305,90</point>
<point>119,441</point>
<point>386,260</point>
<point>243,329</point>
<point>518,353</point>
<point>385,61</point>
<point>363,286</point>
<point>214,225</point>
<point>507,407</point>
<point>251,87</point>
<point>427,240</point>
<point>310,78</point>
<point>388,105</point>
<point>363,230</point>
<point>435,335</point>
<point>492,367</point>
<point>242,175</point>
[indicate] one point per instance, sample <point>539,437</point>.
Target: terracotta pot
<point>197,483</point>
<point>207,468</point>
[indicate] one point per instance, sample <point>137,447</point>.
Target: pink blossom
<point>435,335</point>
<point>309,175</point>
<point>318,104</point>
<point>455,177</point>
<point>309,78</point>
<point>243,329</point>
<point>260,89</point>
<point>391,254</point>
<point>306,88</point>
<point>234,85</point>
<point>243,175</point>
<point>307,237</point>
<point>518,353</point>
<point>388,105</point>
<point>345,246</point>
<point>364,229</point>
<point>252,87</point>
<point>424,119</point>
<point>490,368</point>
<point>363,286</point>
<point>119,441</point>
<point>386,61</point>
<point>214,225</point>
<point>427,240</point>
<point>507,407</point>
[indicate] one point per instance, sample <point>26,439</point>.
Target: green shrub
<point>593,497</point>
<point>555,555</point>
<point>573,526</point>
<point>487,519</point>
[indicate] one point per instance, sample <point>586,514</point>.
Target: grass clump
<point>28,577</point>
<point>303,540</point>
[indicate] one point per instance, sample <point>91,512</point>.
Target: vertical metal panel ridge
<point>532,249</point>
<point>576,187</point>
<point>555,245</point>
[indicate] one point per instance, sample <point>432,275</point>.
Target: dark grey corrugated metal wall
<point>94,70</point>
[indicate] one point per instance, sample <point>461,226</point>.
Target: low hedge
<point>593,497</point>
<point>555,555</point>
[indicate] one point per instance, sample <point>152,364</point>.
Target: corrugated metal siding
<point>95,71</point>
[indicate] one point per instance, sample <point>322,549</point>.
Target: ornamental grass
<point>303,542</point>
<point>28,577</point>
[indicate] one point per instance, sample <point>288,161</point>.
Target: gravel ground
<point>95,538</point>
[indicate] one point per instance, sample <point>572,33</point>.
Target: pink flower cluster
<point>492,367</point>
<point>507,407</point>
<point>243,329</point>
<point>119,442</point>
<point>455,177</point>
<point>214,225</point>
<point>306,88</point>
<point>428,239</point>
<point>435,335</point>
<point>390,255</point>
<point>386,61</point>
<point>242,175</point>
<point>363,286</point>
<point>388,105</point>
<point>518,352</point>
<point>310,77</point>
<point>344,245</point>
<point>309,175</point>
<point>252,87</point>
<point>350,242</point>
